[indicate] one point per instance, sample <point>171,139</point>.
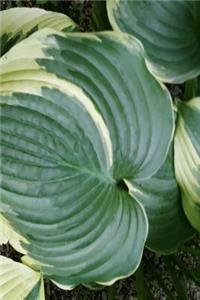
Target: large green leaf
<point>168,30</point>
<point>18,23</point>
<point>77,119</point>
<point>168,226</point>
<point>187,158</point>
<point>18,281</point>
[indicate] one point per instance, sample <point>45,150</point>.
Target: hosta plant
<point>87,159</point>
<point>169,32</point>
<point>187,158</point>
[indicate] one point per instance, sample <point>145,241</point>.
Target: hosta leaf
<point>18,281</point>
<point>94,286</point>
<point>169,32</point>
<point>160,196</point>
<point>187,158</point>
<point>77,119</point>
<point>4,231</point>
<point>18,23</point>
<point>8,234</point>
<point>192,89</point>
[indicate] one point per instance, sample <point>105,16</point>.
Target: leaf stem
<point>112,292</point>
<point>190,89</point>
<point>143,292</point>
<point>176,281</point>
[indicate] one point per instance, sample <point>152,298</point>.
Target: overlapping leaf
<point>18,23</point>
<point>8,234</point>
<point>168,226</point>
<point>77,119</point>
<point>187,158</point>
<point>18,281</point>
<point>169,32</point>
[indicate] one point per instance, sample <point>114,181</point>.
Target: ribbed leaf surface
<point>187,158</point>
<point>77,118</point>
<point>160,196</point>
<point>18,281</point>
<point>168,30</point>
<point>18,23</point>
